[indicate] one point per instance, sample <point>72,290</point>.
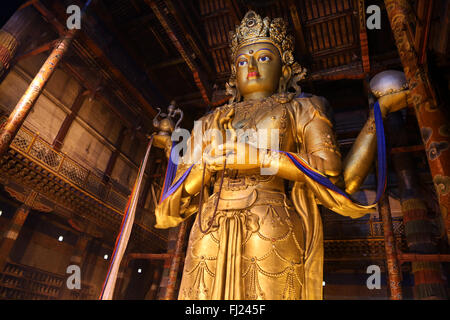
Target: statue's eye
<point>264,59</point>
<point>242,63</point>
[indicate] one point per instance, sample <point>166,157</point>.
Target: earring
<point>282,85</point>
<point>232,91</point>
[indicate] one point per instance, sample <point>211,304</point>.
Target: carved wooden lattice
<point>45,154</point>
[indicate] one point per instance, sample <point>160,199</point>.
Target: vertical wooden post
<point>12,232</point>
<point>390,248</point>
<point>432,120</point>
<point>79,252</point>
<point>363,39</point>
<point>113,158</point>
<point>175,264</point>
<point>65,126</point>
<point>11,36</point>
<point>9,130</point>
<point>428,276</point>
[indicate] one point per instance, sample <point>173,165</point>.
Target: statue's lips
<point>253,75</point>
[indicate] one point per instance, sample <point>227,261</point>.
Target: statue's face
<point>258,70</point>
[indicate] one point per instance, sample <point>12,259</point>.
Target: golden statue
<point>256,242</point>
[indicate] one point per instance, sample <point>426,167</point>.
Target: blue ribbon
<point>171,171</point>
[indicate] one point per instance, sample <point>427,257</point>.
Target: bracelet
<point>267,158</point>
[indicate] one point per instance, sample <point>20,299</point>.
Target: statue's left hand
<point>238,156</point>
<point>393,102</point>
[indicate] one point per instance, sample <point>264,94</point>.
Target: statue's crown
<point>255,29</point>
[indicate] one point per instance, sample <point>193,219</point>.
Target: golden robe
<point>262,245</point>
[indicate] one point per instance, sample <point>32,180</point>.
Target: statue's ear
<point>286,74</point>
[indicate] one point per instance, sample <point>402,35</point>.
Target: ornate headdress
<point>254,29</point>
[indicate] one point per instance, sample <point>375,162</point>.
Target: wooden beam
<point>408,149</point>
<point>409,257</point>
<point>425,38</point>
<point>114,155</point>
<point>99,54</point>
<point>148,256</point>
<point>166,64</point>
<point>65,126</point>
<point>102,12</point>
<point>420,23</point>
<point>363,39</point>
<point>101,96</point>
<point>195,40</point>
<point>37,50</point>
<point>312,22</point>
<point>184,51</point>
<point>299,36</point>
<point>49,17</point>
<point>234,9</point>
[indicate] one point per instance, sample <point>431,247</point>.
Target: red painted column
<point>434,125</point>
<point>156,279</point>
<point>175,263</point>
<point>429,282</point>
<point>12,34</point>
<point>78,255</point>
<point>113,158</point>
<point>390,248</point>
<point>9,130</point>
<point>65,126</point>
<point>11,233</point>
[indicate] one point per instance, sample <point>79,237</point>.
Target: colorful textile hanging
<point>307,169</point>
<point>125,231</point>
<point>172,166</point>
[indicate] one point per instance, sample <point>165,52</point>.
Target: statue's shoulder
<point>311,104</point>
<point>212,112</point>
<point>310,100</point>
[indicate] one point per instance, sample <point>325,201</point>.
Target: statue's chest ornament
<point>256,120</point>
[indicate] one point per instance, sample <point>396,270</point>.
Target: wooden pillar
<point>9,130</point>
<point>79,252</point>
<point>429,281</point>
<point>113,159</point>
<point>176,262</point>
<point>390,248</point>
<point>12,232</point>
<point>156,279</point>
<point>11,36</point>
<point>65,126</point>
<point>123,279</point>
<point>432,120</point>
<point>363,39</point>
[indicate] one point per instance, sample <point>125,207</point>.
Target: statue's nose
<point>252,64</point>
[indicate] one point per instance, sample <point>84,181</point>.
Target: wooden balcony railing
<point>30,145</point>
<point>20,282</point>
<point>360,229</point>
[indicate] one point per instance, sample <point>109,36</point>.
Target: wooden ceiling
<point>177,41</point>
<point>150,52</point>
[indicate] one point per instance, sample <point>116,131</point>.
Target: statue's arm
<point>360,159</point>
<point>322,152</point>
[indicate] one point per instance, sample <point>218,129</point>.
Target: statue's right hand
<point>393,102</point>
<point>220,124</point>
